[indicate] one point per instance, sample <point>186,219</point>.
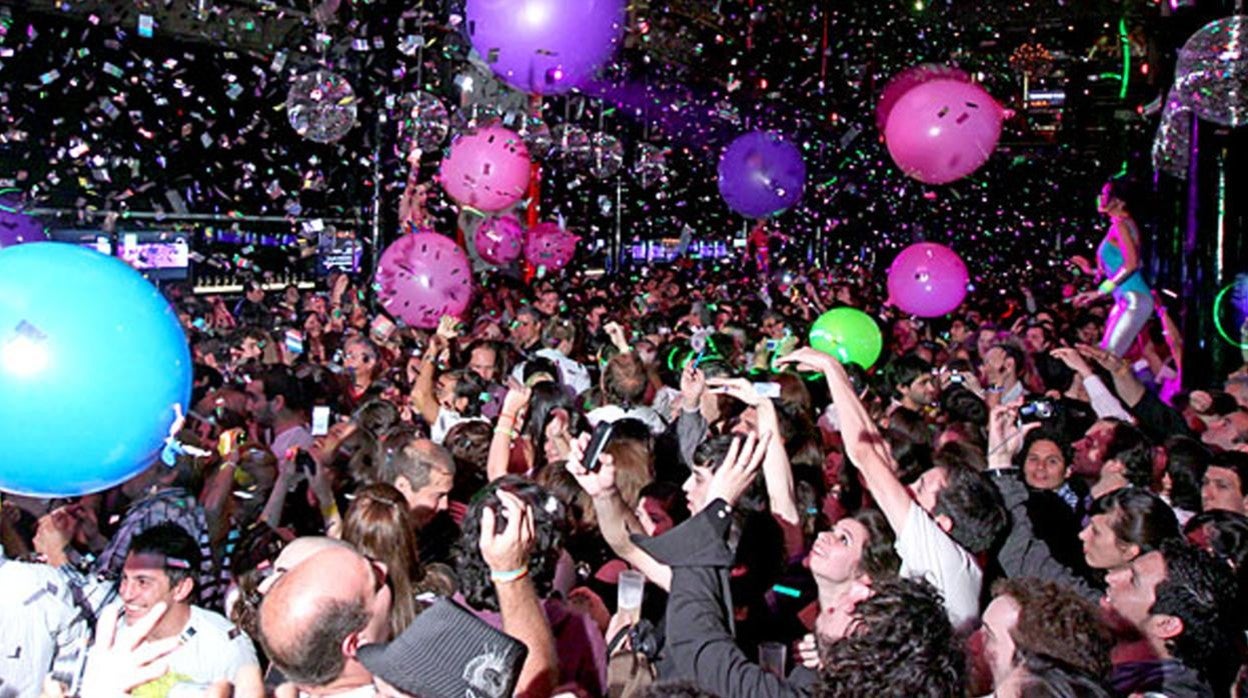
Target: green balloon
<point>848,334</point>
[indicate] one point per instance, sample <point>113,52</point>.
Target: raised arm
<point>615,520</point>
<point>510,422</point>
<point>777,472</point>
<point>863,443</point>
<point>507,555</point>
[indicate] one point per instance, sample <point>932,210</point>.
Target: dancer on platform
<point>1118,261</point>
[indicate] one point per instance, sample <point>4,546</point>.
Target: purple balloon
<point>423,276</point>
<point>547,245</point>
<point>943,130</point>
<point>928,280</point>
<point>487,170</point>
<point>500,240</point>
<point>761,174</point>
<point>545,46</point>
<point>16,229</point>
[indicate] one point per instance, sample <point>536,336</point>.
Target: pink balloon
<point>548,245</point>
<point>943,130</point>
<point>905,80</point>
<point>423,276</point>
<point>487,170</point>
<point>500,239</point>
<point>928,280</point>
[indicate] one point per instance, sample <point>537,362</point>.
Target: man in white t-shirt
<point>951,514</point>
<point>276,401</point>
<point>160,570</point>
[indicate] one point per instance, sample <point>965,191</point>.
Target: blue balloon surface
<point>92,361</point>
<point>761,174</point>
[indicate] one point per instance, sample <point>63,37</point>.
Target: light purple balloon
<point>927,279</point>
<point>487,170</point>
<point>16,228</point>
<point>423,276</point>
<point>943,130</point>
<point>500,239</point>
<point>547,245</point>
<point>545,46</point>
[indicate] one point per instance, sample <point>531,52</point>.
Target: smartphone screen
<point>320,420</point>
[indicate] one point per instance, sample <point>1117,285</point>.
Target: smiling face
<point>837,554</point>
<point>1045,466</point>
<point>145,583</point>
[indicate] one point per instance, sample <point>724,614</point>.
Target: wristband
<point>509,576</point>
<point>1107,287</point>
<point>330,511</point>
<point>509,432</point>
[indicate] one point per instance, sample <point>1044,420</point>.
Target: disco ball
<point>572,144</point>
<point>536,134</point>
<point>321,106</point>
<point>651,167</point>
<point>1211,76</point>
<point>423,123</point>
<point>1172,147</point>
<point>606,155</point>
<point>474,117</point>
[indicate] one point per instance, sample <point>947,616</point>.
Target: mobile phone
<point>320,420</point>
<point>1036,411</point>
<point>956,378</point>
<point>767,390</point>
<point>294,341</point>
<point>382,328</point>
<point>602,434</point>
<point>305,463</point>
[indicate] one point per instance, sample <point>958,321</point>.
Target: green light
<point>1126,57</point>
<point>1217,319</point>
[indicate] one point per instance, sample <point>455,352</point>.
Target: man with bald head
<point>319,613</point>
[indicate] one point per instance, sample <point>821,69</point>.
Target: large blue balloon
<point>92,361</point>
<point>761,174</point>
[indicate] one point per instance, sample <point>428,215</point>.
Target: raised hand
<point>599,483</point>
<point>740,466</point>
<point>517,399</point>
<point>1005,438</point>
<point>692,386</point>
<point>738,388</point>
<point>1073,359</point>
<point>809,359</point>
<point>508,550</point>
<point>121,660</point>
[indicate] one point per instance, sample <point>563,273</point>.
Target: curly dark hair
<point>902,645</point>
<point>974,505</point>
<point>1056,623</point>
<point>550,525</point>
<point>1200,590</point>
<point>1132,448</point>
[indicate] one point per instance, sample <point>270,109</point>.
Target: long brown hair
<point>379,525</point>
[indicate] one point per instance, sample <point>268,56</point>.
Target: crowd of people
<point>1007,503</point>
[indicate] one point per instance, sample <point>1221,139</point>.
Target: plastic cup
<point>630,589</point>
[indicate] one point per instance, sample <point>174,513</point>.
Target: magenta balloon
<point>487,170</point>
<point>423,276</point>
<point>545,46</point>
<point>928,280</point>
<point>943,130</point>
<point>548,245</point>
<point>911,77</point>
<point>500,239</point>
